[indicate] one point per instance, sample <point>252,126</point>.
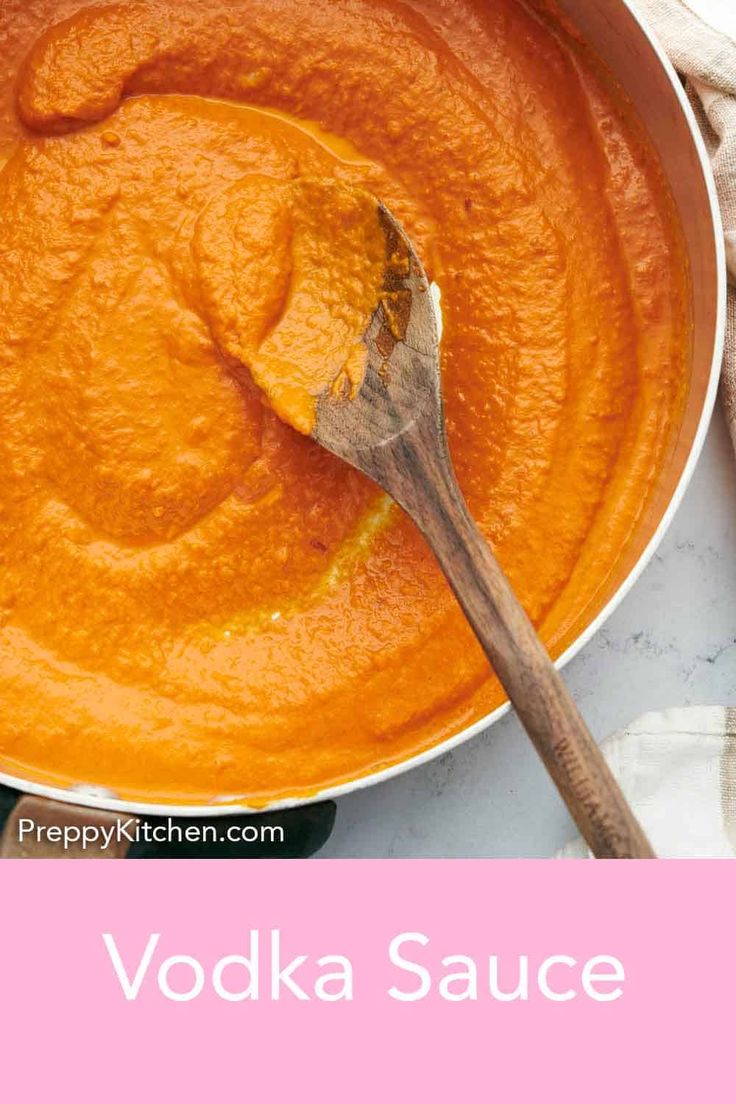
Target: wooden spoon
<point>393,430</point>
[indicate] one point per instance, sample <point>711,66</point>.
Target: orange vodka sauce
<point>195,599</point>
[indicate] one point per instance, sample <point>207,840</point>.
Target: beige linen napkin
<point>678,768</point>
<point>678,771</point>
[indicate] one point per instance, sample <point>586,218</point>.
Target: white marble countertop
<point>671,642</point>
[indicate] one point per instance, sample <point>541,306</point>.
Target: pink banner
<point>366,980</point>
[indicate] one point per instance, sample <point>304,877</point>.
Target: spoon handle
<point>521,662</point>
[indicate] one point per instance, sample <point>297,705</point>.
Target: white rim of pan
<point>96,797</point>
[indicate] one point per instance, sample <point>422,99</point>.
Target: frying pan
<point>623,43</point>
